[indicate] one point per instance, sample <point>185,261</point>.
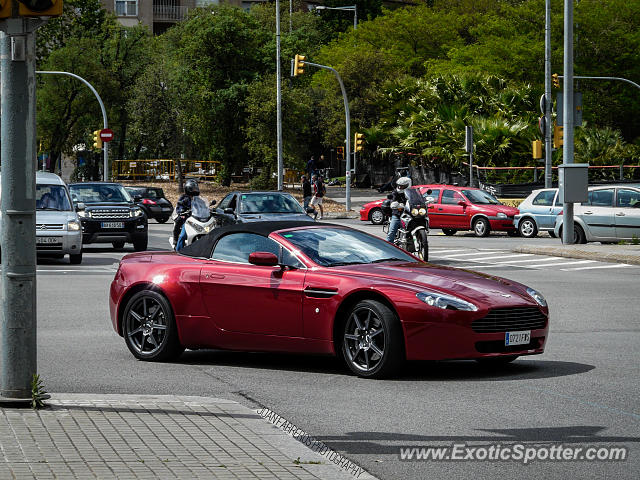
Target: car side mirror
<point>212,203</point>
<point>137,198</point>
<point>228,211</point>
<point>80,206</point>
<point>462,203</point>
<point>429,192</point>
<point>264,259</point>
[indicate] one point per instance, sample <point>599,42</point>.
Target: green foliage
<point>38,393</point>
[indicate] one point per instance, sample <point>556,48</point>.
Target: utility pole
<point>567,149</point>
<point>279,100</point>
<point>18,241</point>
<point>548,152</point>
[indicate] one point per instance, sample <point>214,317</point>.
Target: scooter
<point>199,223</point>
<point>414,225</point>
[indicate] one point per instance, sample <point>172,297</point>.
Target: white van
<point>58,229</point>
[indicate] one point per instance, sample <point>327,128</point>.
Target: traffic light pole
<point>548,160</point>
<point>279,102</point>
<point>105,145</point>
<point>567,147</point>
<point>18,322</point>
<point>348,125</point>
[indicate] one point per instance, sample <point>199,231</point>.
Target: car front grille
<point>49,226</point>
<point>48,247</point>
<point>510,319</point>
<point>110,213</point>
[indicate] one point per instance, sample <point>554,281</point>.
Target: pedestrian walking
<point>319,190</point>
<point>306,191</point>
<point>311,166</point>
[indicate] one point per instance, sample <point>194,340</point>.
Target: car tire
<point>376,216</point>
<point>75,259</point>
<point>140,244</point>
<point>423,252</point>
<point>496,361</point>
<point>372,340</point>
<point>552,234</point>
<point>578,235</point>
<point>149,327</point>
<point>527,228</point>
<point>481,227</point>
<point>118,244</point>
<point>162,219</point>
<point>449,231</point>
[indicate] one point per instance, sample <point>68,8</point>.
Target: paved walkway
<point>132,436</point>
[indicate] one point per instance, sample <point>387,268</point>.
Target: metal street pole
<point>548,152</point>
<point>104,116</point>
<point>279,100</point>
<point>567,149</point>
<point>347,115</point>
<point>290,14</point>
<point>351,8</point>
<point>18,323</point>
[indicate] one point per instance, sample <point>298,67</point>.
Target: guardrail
<point>163,169</point>
<point>169,10</point>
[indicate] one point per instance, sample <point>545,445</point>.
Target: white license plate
<point>517,338</point>
<point>47,240</point>
<point>112,225</point>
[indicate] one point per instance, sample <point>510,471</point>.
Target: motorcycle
<point>200,221</point>
<point>414,224</point>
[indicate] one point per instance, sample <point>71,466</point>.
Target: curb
<point>599,254</point>
<point>342,215</point>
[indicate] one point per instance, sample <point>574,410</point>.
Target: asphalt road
<point>582,392</point>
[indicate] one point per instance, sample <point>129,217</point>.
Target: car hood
<point>53,216</point>
<point>469,285</point>
<point>373,204</point>
<point>495,209</point>
<point>262,217</point>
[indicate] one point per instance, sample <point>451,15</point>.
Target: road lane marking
<point>510,256</point>
<point>612,265</point>
<point>469,254</point>
<point>542,265</point>
<point>448,251</point>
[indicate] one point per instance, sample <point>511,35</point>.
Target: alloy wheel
<point>527,228</point>
<point>147,325</point>
<point>377,217</point>
<point>364,339</point>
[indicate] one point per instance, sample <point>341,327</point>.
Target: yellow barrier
<point>512,202</point>
<point>163,169</point>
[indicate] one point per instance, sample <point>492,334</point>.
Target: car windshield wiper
<point>337,264</point>
<point>50,208</point>
<point>390,259</point>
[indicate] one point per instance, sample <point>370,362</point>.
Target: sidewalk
<point>156,436</point>
<point>605,253</point>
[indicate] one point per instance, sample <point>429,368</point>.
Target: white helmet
<point>403,183</point>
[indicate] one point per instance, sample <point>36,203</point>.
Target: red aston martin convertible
<point>300,287</point>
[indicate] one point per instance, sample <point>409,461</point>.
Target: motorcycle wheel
<point>423,245</point>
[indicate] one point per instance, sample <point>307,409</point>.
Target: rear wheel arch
<point>131,292</point>
<point>350,301</point>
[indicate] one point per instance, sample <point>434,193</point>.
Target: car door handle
<point>589,212</point>
<point>440,209</point>
<point>620,214</point>
<point>213,275</point>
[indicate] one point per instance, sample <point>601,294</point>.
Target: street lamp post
<point>350,8</point>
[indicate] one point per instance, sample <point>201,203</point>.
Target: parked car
<point>152,202</point>
<point>466,208</point>
<point>611,214</point>
<point>321,289</point>
<point>58,228</point>
<point>538,213</point>
<point>242,207</point>
<point>108,215</point>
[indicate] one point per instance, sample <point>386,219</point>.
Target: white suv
<point>611,213</point>
<point>58,229</point>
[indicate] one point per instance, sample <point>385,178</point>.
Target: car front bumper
<point>93,230</point>
<point>58,242</point>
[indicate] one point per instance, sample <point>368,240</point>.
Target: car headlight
<point>135,212</point>
<point>73,225</point>
<point>422,211</point>
<point>441,300</point>
<point>414,212</point>
<point>502,215</point>
<point>537,296</point>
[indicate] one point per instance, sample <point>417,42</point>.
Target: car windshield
<point>269,203</point>
<point>332,247</point>
<point>481,197</point>
<point>99,193</point>
<point>52,197</point>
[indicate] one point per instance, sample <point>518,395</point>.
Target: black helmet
<point>191,187</point>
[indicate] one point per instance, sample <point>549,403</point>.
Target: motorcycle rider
<point>398,201</point>
<point>183,208</point>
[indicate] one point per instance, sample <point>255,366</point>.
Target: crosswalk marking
<point>510,256</point>
<point>561,263</point>
<point>611,265</point>
<point>468,255</point>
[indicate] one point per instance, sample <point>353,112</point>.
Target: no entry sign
<point>106,134</point>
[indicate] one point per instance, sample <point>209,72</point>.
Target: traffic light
<point>97,141</point>
<point>298,65</point>
<point>556,80</point>
<point>358,142</point>
<point>5,8</point>
<point>340,153</point>
<point>537,149</point>
<point>558,136</point>
<point>40,8</point>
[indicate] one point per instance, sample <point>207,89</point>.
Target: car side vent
<point>320,292</point>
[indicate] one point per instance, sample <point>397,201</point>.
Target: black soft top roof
<point>203,247</point>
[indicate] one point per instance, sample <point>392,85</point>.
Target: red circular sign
<point>106,134</point>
